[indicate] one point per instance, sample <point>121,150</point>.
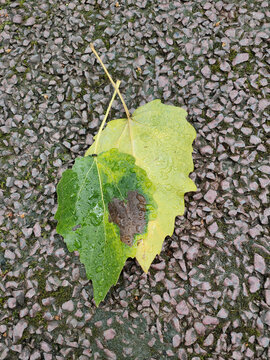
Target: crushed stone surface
<point>207,295</point>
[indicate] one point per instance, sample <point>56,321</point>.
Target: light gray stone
<point>210,196</point>
<point>19,329</point>
<point>68,306</point>
<point>259,264</point>
<point>240,58</point>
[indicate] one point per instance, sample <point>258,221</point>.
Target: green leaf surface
<point>104,205</point>
<point>160,139</point>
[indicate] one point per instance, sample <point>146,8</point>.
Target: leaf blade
<point>84,193</point>
<point>162,145</point>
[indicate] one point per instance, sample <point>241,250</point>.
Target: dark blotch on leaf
<point>129,216</point>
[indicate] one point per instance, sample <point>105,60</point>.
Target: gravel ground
<point>207,296</point>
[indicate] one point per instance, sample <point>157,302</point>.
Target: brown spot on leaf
<point>129,216</point>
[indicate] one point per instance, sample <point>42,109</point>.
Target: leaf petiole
<point>106,115</point>
<point>111,80</point>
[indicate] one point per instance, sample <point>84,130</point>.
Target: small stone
<point>210,196</point>
<point>267,297</point>
<point>75,274</point>
<point>122,294</point>
<point>52,325</point>
<point>206,71</point>
<point>223,313</point>
<point>17,19</point>
<point>68,306</point>
<point>141,60</point>
<point>37,230</point>
<point>9,255</point>
<point>11,303</point>
<point>209,243</point>
<point>213,228</point>
<point>45,346</point>
<point>190,337</point>
<point>182,308</point>
<point>225,66</point>
<point>160,275</point>
<point>237,355</point>
<point>182,354</point>
<point>265,169</point>
<point>109,334</point>
<point>110,355</point>
<point>193,252</point>
<point>263,341</point>
<point>254,140</point>
<point>34,59</point>
<point>253,232</point>
<point>259,264</point>
<point>67,115</point>
<point>209,340</point>
<point>30,21</point>
<point>19,329</point>
<point>3,328</point>
<point>163,81</point>
<point>210,320</point>
<point>30,293</point>
<point>176,340</point>
<point>267,318</point>
<point>200,328</point>
<point>263,104</point>
<point>254,284</point>
<point>250,353</point>
<point>35,355</point>
<point>236,337</point>
<point>9,181</point>
<point>157,299</point>
<point>206,150</point>
<point>240,58</point>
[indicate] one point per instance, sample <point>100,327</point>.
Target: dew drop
<point>77,244</point>
<point>95,219</point>
<point>99,269</point>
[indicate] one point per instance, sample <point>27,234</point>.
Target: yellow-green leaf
<point>160,139</point>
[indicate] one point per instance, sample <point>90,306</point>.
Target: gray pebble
<point>17,19</point>
<point>209,340</point>
<point>141,60</point>
<point>206,71</point>
<point>30,21</point>
<point>254,284</point>
<point>182,308</point>
<point>35,59</point>
<point>109,334</point>
<point>19,329</point>
<point>9,181</point>
<point>206,150</point>
<point>190,337</point>
<point>240,58</point>
<point>265,169</point>
<point>210,196</point>
<point>259,264</point>
<point>68,306</point>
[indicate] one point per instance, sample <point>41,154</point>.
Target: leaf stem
<point>106,115</point>
<point>111,80</point>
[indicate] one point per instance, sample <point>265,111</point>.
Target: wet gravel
<point>207,296</point>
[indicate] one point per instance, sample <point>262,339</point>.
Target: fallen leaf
<point>160,139</point>
<point>104,205</point>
